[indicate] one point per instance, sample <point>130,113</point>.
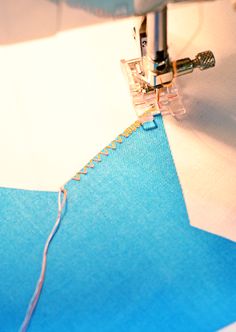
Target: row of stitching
<point>105,152</point>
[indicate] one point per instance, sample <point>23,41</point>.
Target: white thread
<point>34,300</point>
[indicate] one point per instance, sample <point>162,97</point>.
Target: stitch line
<point>105,152</point>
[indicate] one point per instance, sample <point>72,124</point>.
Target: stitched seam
<point>105,152</point>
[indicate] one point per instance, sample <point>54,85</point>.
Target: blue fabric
<point>125,257</point>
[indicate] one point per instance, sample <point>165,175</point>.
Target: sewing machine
<point>151,76</point>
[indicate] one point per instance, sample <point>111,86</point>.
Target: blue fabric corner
<point>125,257</point>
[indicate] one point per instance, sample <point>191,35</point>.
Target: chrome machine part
<point>156,67</point>
<point>156,63</point>
<point>157,36</point>
<point>203,60</point>
<point>152,36</point>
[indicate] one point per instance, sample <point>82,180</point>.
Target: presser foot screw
<point>204,60</point>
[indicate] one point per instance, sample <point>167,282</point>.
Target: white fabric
<point>62,99</point>
<point>229,328</point>
<point>204,143</point>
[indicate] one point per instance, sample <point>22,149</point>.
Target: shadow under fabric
<point>125,257</point>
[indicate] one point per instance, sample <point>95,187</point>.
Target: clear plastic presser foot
<point>148,101</point>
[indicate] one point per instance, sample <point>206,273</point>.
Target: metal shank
<point>157,35</point>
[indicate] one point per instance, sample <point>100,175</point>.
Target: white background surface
<point>63,98</point>
<point>204,144</point>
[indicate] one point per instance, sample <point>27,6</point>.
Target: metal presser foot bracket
<point>151,77</point>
